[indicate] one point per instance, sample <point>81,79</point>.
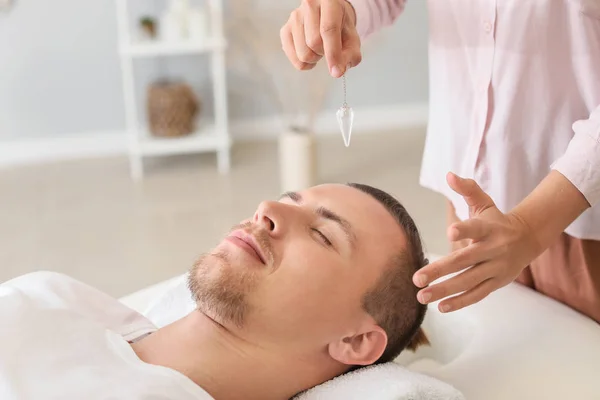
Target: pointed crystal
<point>345,117</point>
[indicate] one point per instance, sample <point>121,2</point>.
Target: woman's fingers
<point>322,28</point>
<point>351,48</point>
<point>311,11</point>
<point>474,229</point>
<point>469,297</point>
<point>462,282</point>
<point>453,262</point>
<point>332,17</point>
<point>287,43</point>
<point>304,53</point>
<point>474,196</point>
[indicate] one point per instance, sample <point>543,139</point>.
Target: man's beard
<point>221,290</point>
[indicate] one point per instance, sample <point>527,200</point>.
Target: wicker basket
<point>172,109</point>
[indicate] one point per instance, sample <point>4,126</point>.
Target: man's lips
<point>247,243</point>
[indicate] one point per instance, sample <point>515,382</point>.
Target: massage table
<point>515,344</point>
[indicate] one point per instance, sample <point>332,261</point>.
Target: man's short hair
<point>393,301</point>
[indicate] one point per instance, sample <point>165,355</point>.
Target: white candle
<point>198,24</point>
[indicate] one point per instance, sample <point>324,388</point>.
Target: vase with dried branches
<point>255,53</point>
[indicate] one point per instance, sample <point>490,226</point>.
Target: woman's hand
<point>501,245</point>
<point>452,219</point>
<point>322,28</point>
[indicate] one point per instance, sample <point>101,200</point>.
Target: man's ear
<point>362,348</point>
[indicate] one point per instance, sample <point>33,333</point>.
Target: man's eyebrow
<point>345,225</point>
<point>295,197</point>
<point>327,214</point>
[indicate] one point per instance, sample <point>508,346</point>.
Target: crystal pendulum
<point>345,118</point>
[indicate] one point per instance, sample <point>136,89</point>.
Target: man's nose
<point>270,216</point>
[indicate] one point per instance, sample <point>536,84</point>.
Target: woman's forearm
<point>552,206</point>
<point>572,186</point>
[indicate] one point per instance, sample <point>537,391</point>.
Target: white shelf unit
<point>209,137</point>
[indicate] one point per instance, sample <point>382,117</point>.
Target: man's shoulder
<point>47,290</point>
<point>40,283</point>
<point>49,285</point>
<point>36,276</point>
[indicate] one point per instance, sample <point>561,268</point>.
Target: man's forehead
<point>340,196</point>
<point>332,192</point>
<point>358,207</point>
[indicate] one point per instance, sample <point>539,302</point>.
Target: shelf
<point>212,133</point>
<point>166,48</point>
<point>205,139</point>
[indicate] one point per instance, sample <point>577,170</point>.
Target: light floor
<point>88,219</point>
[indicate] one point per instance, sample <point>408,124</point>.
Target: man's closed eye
<point>322,237</point>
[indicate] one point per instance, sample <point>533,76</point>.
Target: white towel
<point>388,381</point>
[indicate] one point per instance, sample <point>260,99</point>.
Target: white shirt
<point>61,339</point>
<point>514,92</point>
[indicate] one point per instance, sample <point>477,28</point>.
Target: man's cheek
<point>307,276</point>
<point>298,292</point>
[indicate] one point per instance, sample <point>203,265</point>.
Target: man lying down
<point>313,285</point>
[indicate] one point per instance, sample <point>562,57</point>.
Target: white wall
<point>59,70</point>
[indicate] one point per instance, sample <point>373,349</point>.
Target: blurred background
<point>135,133</point>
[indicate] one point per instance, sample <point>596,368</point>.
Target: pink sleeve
<point>372,15</point>
<point>581,162</point>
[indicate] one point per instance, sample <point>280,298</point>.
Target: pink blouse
<point>514,92</point>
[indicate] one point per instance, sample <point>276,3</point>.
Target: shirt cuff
<point>373,15</point>
<point>581,162</point>
<point>363,17</point>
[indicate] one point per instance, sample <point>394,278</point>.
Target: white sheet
<point>515,344</point>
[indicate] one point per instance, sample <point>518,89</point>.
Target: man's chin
<point>218,291</point>
<point>211,313</point>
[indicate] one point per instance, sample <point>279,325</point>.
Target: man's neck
<point>223,364</point>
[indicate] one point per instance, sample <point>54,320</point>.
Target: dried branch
<point>253,34</point>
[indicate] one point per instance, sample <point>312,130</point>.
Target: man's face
<point>296,273</point>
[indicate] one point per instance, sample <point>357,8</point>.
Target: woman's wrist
<point>552,206</point>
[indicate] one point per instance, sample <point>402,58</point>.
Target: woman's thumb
<point>473,195</point>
